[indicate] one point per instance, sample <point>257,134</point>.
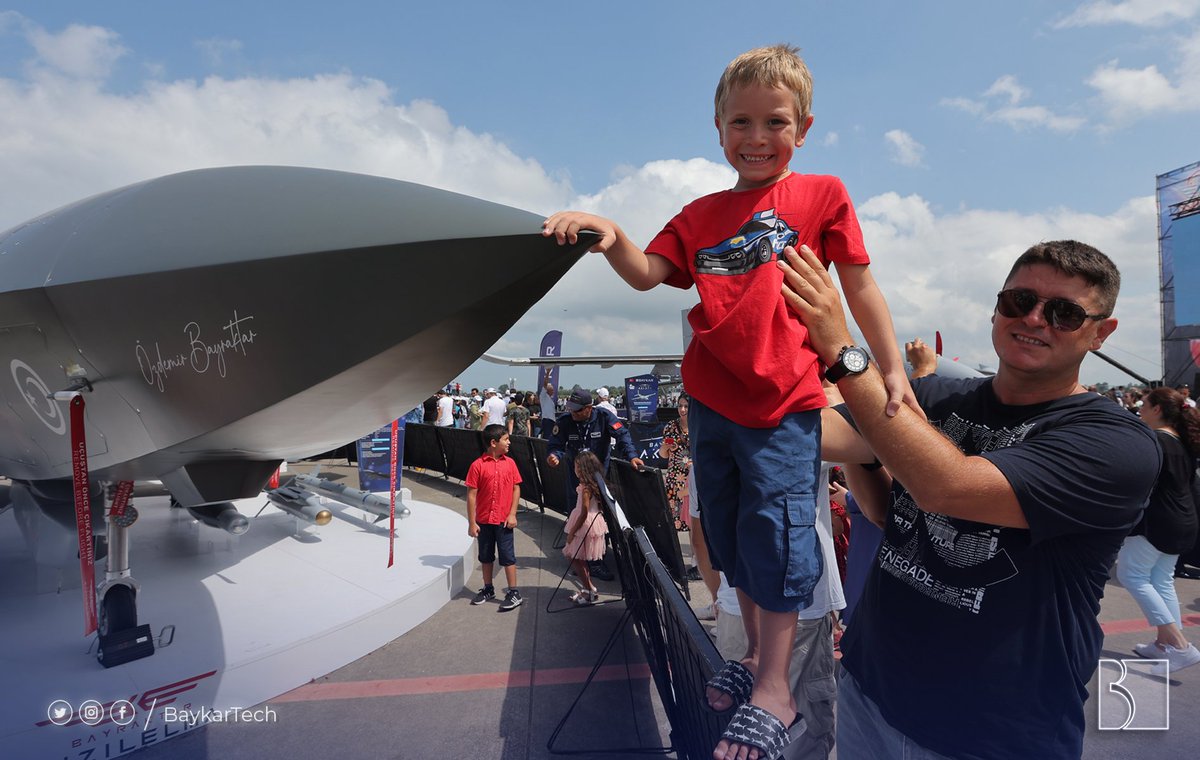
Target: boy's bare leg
<point>487,573</point>
<point>776,634</point>
<point>510,575</point>
<point>718,699</point>
<point>712,581</point>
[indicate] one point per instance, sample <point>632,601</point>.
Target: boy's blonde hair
<point>774,66</point>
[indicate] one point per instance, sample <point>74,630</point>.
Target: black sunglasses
<point>1062,314</point>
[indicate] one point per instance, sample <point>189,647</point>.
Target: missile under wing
<point>224,319</point>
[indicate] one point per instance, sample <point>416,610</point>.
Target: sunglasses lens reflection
<point>1061,314</point>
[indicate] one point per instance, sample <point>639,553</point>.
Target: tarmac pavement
<point>473,682</point>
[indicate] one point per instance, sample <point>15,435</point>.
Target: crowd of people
<point>520,412</point>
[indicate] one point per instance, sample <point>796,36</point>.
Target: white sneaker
<point>1176,659</point>
<point>1151,651</point>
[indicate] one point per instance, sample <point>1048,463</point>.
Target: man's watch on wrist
<point>851,360</point>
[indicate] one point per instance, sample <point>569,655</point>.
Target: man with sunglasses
<point>976,634</point>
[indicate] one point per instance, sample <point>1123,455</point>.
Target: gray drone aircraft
<point>219,321</point>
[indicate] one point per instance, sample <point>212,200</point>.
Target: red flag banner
<point>392,511</point>
<point>83,514</point>
<point>121,499</point>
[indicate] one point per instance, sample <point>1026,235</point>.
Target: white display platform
<point>255,616</point>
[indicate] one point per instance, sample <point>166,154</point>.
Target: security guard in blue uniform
<point>591,428</point>
<point>588,428</point>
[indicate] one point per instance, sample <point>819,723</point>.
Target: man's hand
<point>808,290</point>
<point>473,529</point>
<point>566,225</point>
<point>552,460</point>
<point>637,463</point>
<point>921,356</point>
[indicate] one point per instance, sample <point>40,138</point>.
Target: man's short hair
<point>1076,259</point>
<point>774,66</point>
<point>493,432</point>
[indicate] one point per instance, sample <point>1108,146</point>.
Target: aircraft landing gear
<point>121,638</point>
<point>118,609</point>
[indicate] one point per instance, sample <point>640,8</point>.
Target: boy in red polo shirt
<point>753,376</point>
<point>493,490</point>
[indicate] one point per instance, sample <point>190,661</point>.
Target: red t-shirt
<point>749,358</point>
<point>494,480</point>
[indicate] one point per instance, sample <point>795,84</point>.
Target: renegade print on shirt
<point>962,558</point>
<point>758,241</point>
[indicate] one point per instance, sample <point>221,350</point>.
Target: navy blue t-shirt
<point>978,641</point>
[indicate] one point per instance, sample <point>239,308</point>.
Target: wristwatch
<point>852,360</point>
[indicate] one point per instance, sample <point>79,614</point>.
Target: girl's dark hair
<point>589,466</point>
<point>1180,417</point>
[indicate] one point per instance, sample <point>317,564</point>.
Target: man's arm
<point>640,269</point>
<point>624,439</point>
<point>556,446</point>
<point>872,491</point>
<point>940,477</point>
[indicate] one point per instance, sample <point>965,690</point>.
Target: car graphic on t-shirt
<point>758,241</point>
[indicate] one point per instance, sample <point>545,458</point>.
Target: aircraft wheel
<point>118,610</point>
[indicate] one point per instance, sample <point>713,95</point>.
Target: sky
<point>964,132</point>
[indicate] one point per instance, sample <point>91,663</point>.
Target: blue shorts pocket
<point>804,561</point>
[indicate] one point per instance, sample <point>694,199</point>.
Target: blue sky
<point>964,131</point>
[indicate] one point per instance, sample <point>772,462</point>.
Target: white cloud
<point>1136,12</point>
<point>1008,86</point>
<point>830,140</point>
<point>217,51</point>
<point>1130,93</point>
<point>1009,92</point>
<point>88,52</point>
<point>942,271</point>
<point>905,150</point>
<point>1021,117</point>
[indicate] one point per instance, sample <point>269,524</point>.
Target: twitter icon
<point>60,712</point>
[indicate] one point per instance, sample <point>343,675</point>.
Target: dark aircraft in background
<point>219,321</point>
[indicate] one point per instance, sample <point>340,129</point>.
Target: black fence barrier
<point>422,448</point>
<point>553,479</point>
<point>679,653</point>
<point>691,656</point>
<point>462,447</point>
<point>644,499</point>
<point>521,451</point>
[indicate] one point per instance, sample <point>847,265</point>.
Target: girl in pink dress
<point>586,528</point>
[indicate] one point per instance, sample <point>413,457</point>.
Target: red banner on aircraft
<point>83,514</point>
<point>121,498</point>
<point>392,511</point>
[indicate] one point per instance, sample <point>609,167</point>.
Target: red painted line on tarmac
<point>515,679</point>
<point>1140,624</point>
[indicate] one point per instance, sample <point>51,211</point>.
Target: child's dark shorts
<point>492,536</point>
<point>757,491</point>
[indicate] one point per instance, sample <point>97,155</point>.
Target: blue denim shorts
<point>757,489</point>
<point>492,537</point>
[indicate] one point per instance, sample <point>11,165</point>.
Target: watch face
<point>855,360</point>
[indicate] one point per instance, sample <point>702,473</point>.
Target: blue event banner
<point>641,398</point>
<point>375,459</point>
